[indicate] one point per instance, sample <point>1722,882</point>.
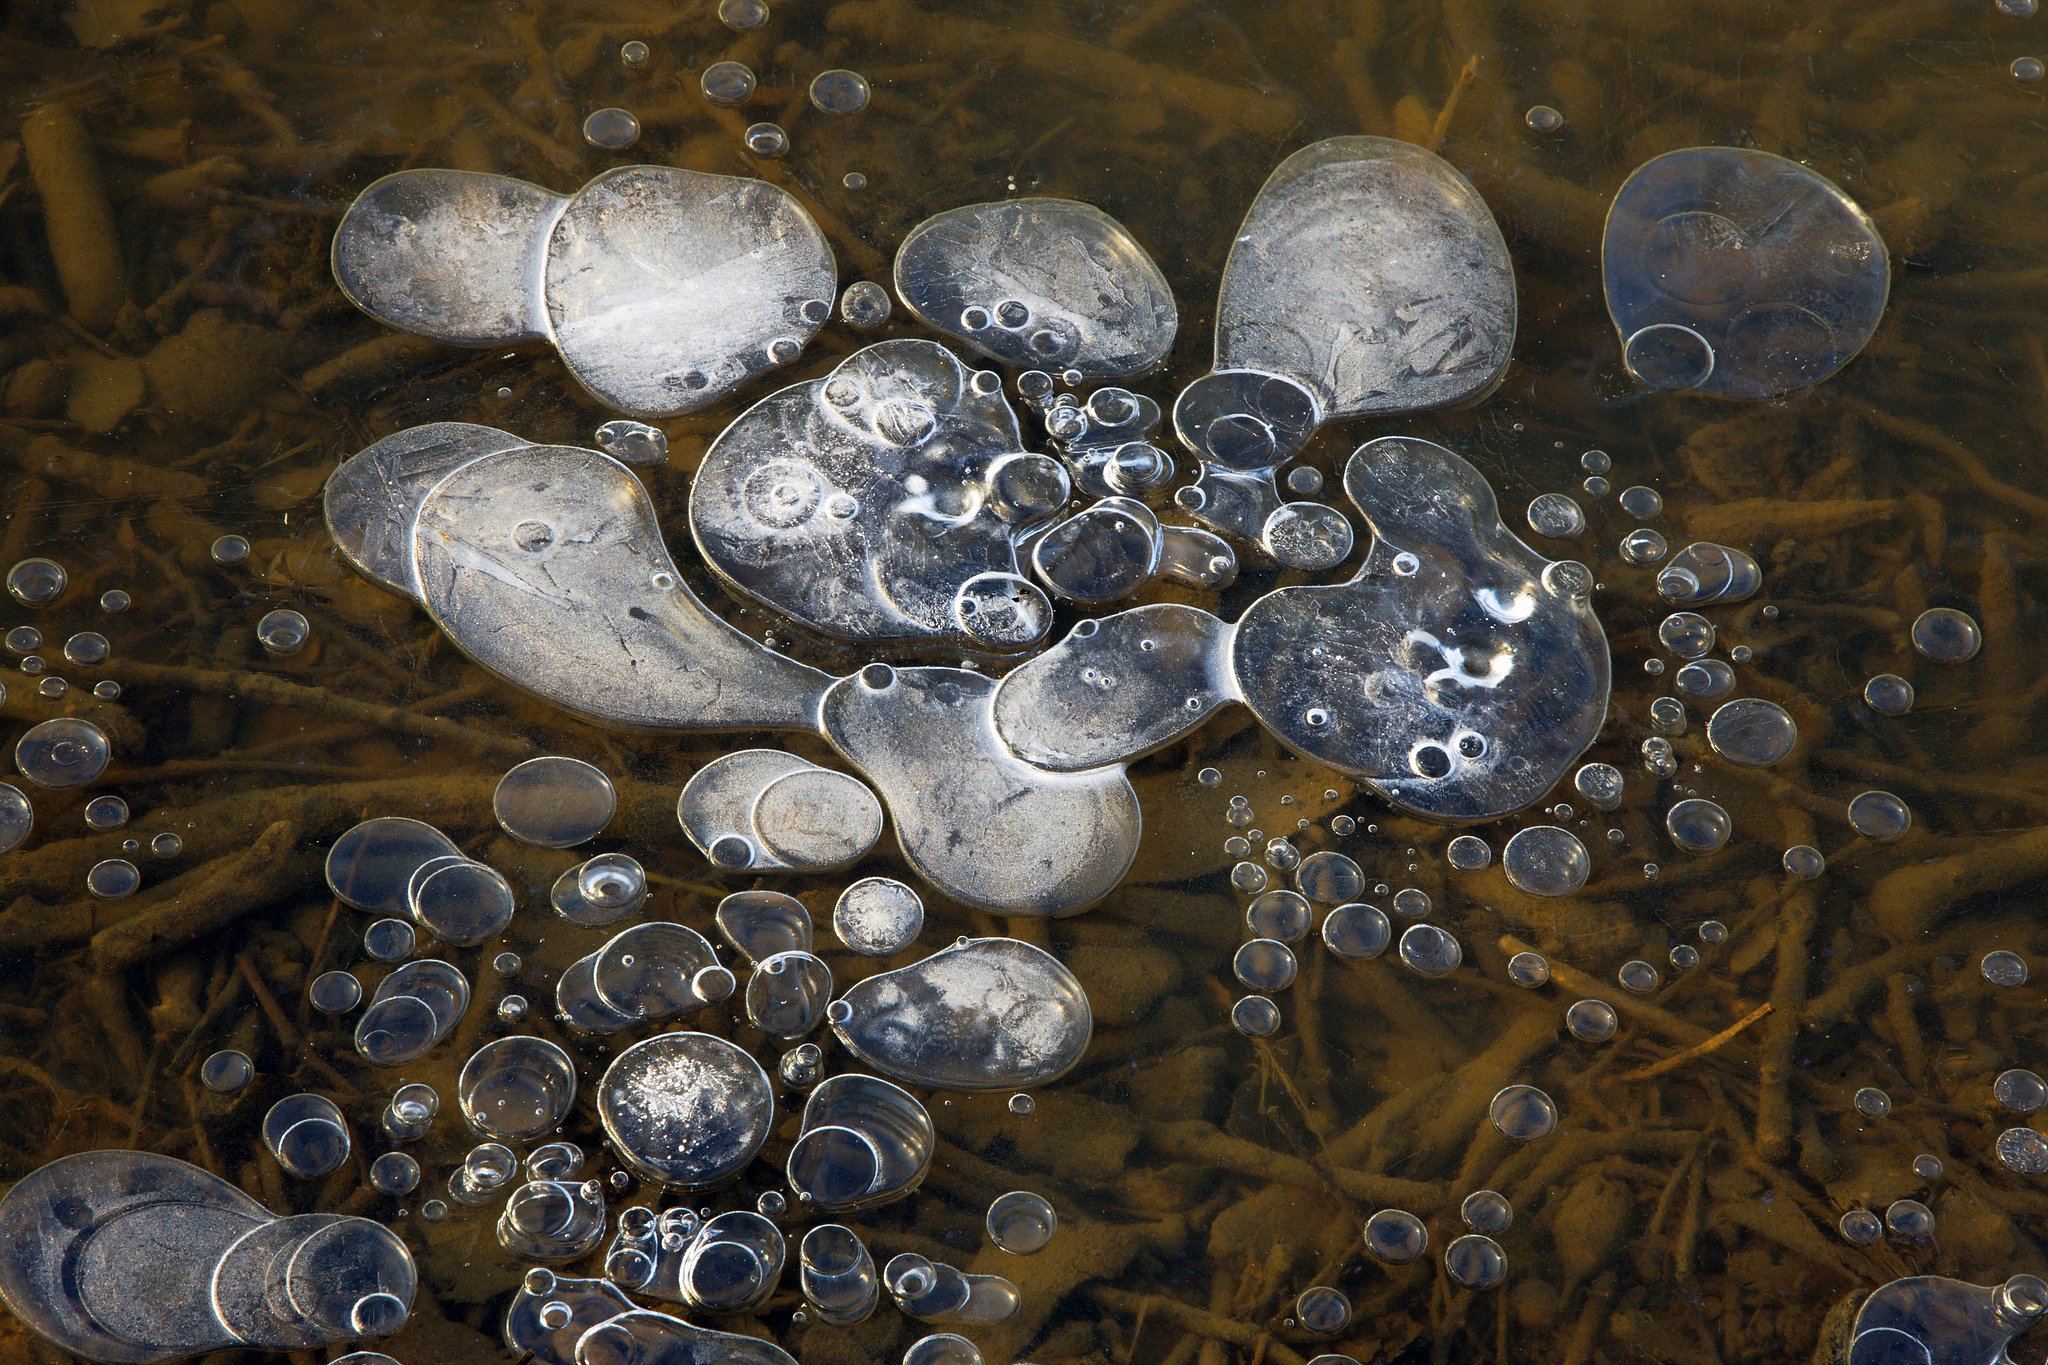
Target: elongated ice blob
<point>372,499</point>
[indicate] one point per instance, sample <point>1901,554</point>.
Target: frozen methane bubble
<point>865,305</point>
<point>1475,1261</point>
<point>1910,1219</point>
<point>1459,673</point>
<point>372,500</point>
<point>643,1337</point>
<point>371,864</point>
<point>62,752</point>
<point>838,1276</point>
<point>1429,950</point>
<point>1704,572</point>
<point>36,582</point>
<point>611,128</point>
<point>515,1089</point>
<point>562,544</point>
<point>229,549</point>
<point>663,289</point>
<point>412,1009</point>
<point>932,1291</point>
<point>648,973</point>
<point>1946,635</point>
<point>2023,1150</point>
<point>1556,517</point>
<point>685,1109</point>
<point>2004,968</point>
<point>1280,914</point>
<point>461,902</point>
<point>942,1348</point>
<point>862,1142</point>
<point>1117,688</point>
<point>1486,1211</point>
<point>787,995</point>
<point>1523,1113</point>
<point>335,992</point>
<point>1697,825</point>
<point>732,1264</point>
<point>1044,843</point>
<point>1021,1222</point>
<point>982,1014</point>
<point>883,501</point>
<point>1396,1236</point>
<point>1591,1021</point>
<point>551,1313</point>
<point>728,84</point>
<point>1860,1227</point>
<point>554,802</point>
<point>1871,1102</point>
<point>877,917</point>
<point>552,1220</point>
<point>307,1135</point>
<point>226,1071</point>
<point>1255,1016</point>
<point>131,1256</point>
<point>839,91</point>
<point>1264,964</point>
<point>1686,634</point>
<point>1879,815</point>
<point>1529,970</point>
<point>1704,679</point>
<point>1468,853</point>
<point>632,442</point>
<point>1600,784</point>
<point>283,632</point>
<point>1804,861</point>
<point>1939,1320</point>
<point>395,1173</point>
<point>1356,931</point>
<point>18,817</point>
<point>1752,732</point>
<point>388,940</point>
<point>1329,878</point>
<point>1322,1310</point>
<point>1888,694</point>
<point>600,890</point>
<point>1739,273</point>
<point>1545,860</point>
<point>1369,272</point>
<point>1052,283</point>
<point>762,923</point>
<point>113,878</point>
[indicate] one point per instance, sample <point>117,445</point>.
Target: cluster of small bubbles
<point>2023,1150</point>
<point>1667,716</point>
<point>1872,1103</point>
<point>1396,1236</point>
<point>1255,1016</point>
<point>1413,902</point>
<point>1641,503</point>
<point>37,582</point>
<point>1860,1227</point>
<point>1684,956</point>
<point>226,1071</point>
<point>87,648</point>
<point>1638,976</point>
<point>1686,634</point>
<point>1591,1021</point>
<point>1596,485</point>
<point>1264,964</point>
<point>106,812</point>
<point>2004,968</point>
<point>512,1009</point>
<point>335,992</point>
<point>1429,950</point>
<point>864,305</point>
<point>114,601</point>
<point>1658,759</point>
<point>633,53</point>
<point>1946,635</point>
<point>1713,931</point>
<point>1469,853</point>
<point>1927,1166</point>
<point>395,1173</point>
<point>1804,861</point>
<point>1556,516</point>
<point>1022,1104</point>
<point>1342,824</point>
<point>766,140</point>
<point>1911,1219</point>
<point>1888,694</point>
<point>388,940</point>
<point>1541,118</point>
<point>230,549</point>
<point>113,878</point>
<point>2020,1091</point>
<point>728,83</point>
<point>1282,855</point>
<point>2027,69</point>
<point>1356,931</point>
<point>1643,547</point>
<point>612,129</point>
<point>1486,1211</point>
<point>743,14</point>
<point>1249,878</point>
<point>1698,826</point>
<point>1704,680</point>
<point>1528,970</point>
<point>1522,1112</point>
<point>1879,815</point>
<point>839,91</point>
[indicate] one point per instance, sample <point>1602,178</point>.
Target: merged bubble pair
<point>413,1008</point>
<point>765,810</point>
<point>648,973</point>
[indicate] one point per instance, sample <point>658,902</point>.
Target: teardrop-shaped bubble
<point>1043,843</point>
<point>686,1109</point>
<point>862,1142</point>
<point>369,866</point>
<point>373,497</point>
<point>1117,688</point>
<point>1371,272</point>
<point>838,1275</point>
<point>983,1014</point>
<point>550,1313</point>
<point>1053,283</point>
<point>787,994</point>
<point>878,917</point>
<point>761,924</point>
<point>561,544</point>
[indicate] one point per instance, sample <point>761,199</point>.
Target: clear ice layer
<point>982,1014</point>
<point>1459,672</point>
<point>883,501</point>
<point>1739,273</point>
<point>1051,283</point>
<point>663,289</point>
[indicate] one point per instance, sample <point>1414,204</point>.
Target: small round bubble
<point>1248,877</point>
<point>1541,118</point>
<point>388,940</point>
<point>1638,976</point>
<point>1356,931</point>
<point>2027,69</point>
<point>766,140</point>
<point>1871,1102</point>
<point>1396,1236</point>
<point>1413,902</point>
<point>1713,931</point>
<point>395,1173</point>
<point>2023,1150</point>
<point>1667,716</point>
<point>37,582</point>
<point>1804,861</point>
<point>2004,968</point>
<point>1429,950</point>
<point>1255,1016</point>
<point>114,601</point>
<point>1913,1220</point>
<point>1486,1211</point>
<point>283,632</point>
<point>2020,1091</point>
<point>1879,816</point>
<point>1927,1166</point>
<point>1555,516</point>
<point>1643,547</point>
<point>839,91</point>
<point>87,648</point>
<point>335,992</point>
<point>230,549</point>
<point>113,879</point>
<point>1591,1021</point>
<point>1596,485</point>
<point>1946,635</point>
<point>742,14</point>
<point>106,812</point>
<point>633,53</point>
<point>728,83</point>
<point>1468,853</point>
<point>1279,914</point>
<point>1021,1222</point>
<point>1684,957</point>
<point>1860,1227</point>
<point>1522,1112</point>
<point>1545,860</point>
<point>1322,1310</point>
<point>1686,634</point>
<point>226,1071</point>
<point>611,129</point>
<point>1888,694</point>
<point>1641,503</point>
<point>1698,826</point>
<point>1022,1104</point>
<point>1528,970</point>
<point>864,305</point>
<point>1264,964</point>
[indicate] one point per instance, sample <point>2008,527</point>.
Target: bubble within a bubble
<point>1248,877</point>
<point>1872,1103</point>
<point>612,129</point>
<point>1523,1112</point>
<point>1804,861</point>
<point>2003,968</point>
<point>1255,1016</point>
<point>37,582</point>
<point>1879,815</point>
<point>1396,1236</point>
<point>226,1071</point>
<point>1428,950</point>
<point>1556,517</point>
<point>1946,635</point>
<point>1888,694</point>
<point>230,549</point>
<point>1591,1021</point>
<point>1528,970</point>
<point>1643,547</point>
<point>742,14</point>
<point>1021,1222</point>
<point>1468,853</point>
<point>839,91</point>
<point>1861,1227</point>
<point>766,140</point>
<point>728,83</point>
<point>2020,1091</point>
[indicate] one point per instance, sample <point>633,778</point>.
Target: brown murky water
<point>205,377</point>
